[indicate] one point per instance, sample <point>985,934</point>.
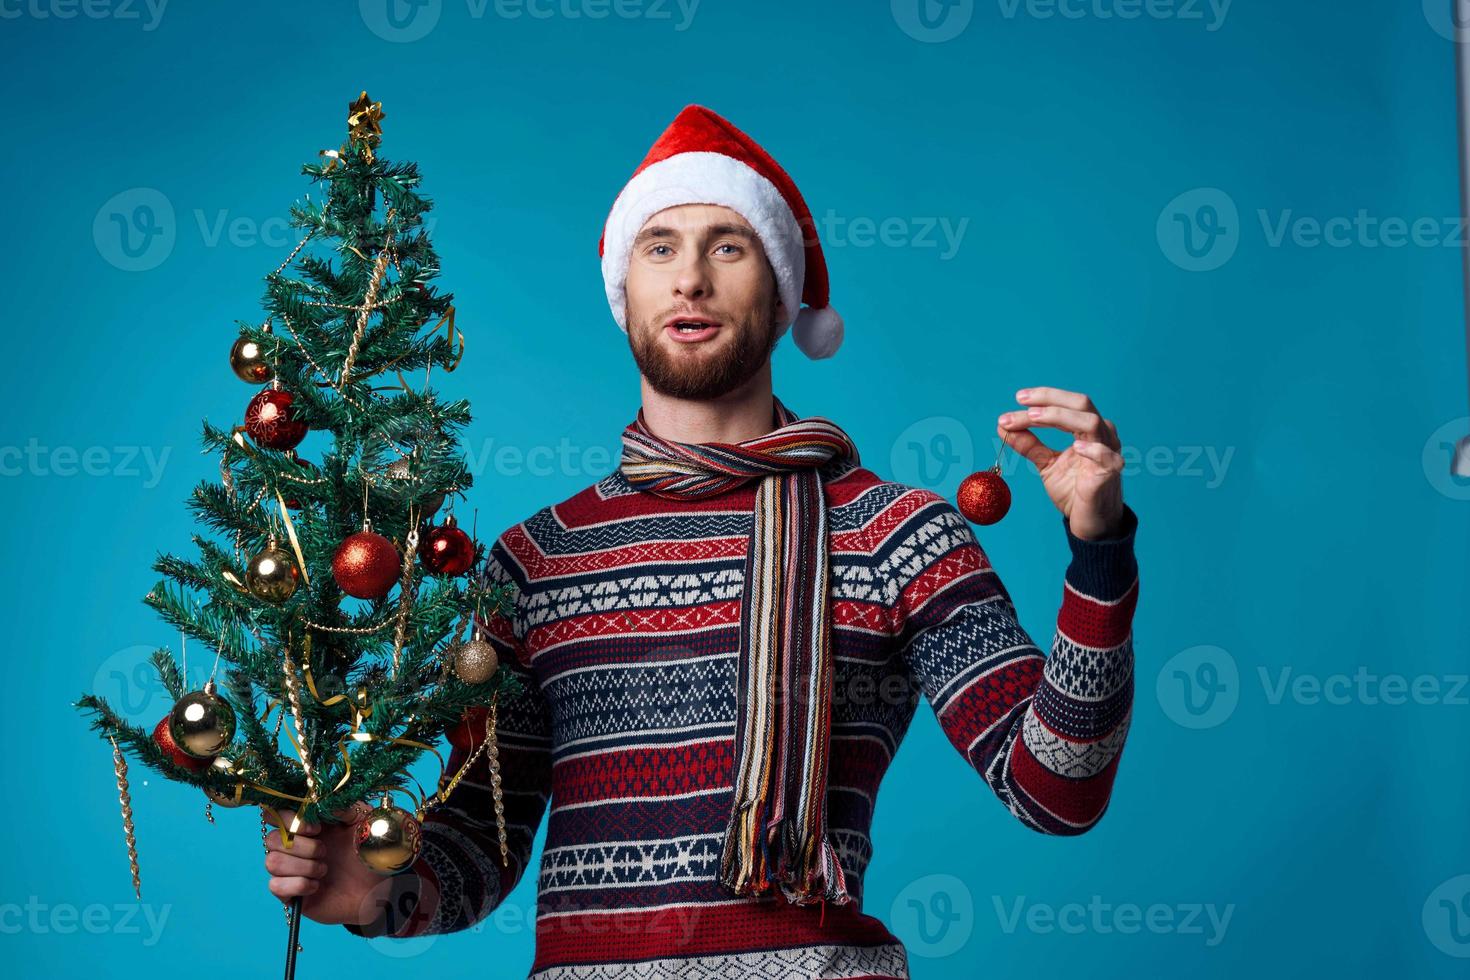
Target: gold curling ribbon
<point>291,533</point>
<point>361,710</point>
<point>392,740</point>
<point>239,440</point>
<point>453,334</point>
<point>288,834</point>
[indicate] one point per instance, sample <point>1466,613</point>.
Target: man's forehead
<point>690,218</point>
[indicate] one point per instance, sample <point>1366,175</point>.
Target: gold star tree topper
<point>364,123</point>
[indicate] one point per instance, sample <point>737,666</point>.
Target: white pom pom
<point>818,332</point>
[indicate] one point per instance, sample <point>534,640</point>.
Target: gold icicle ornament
<point>120,769</point>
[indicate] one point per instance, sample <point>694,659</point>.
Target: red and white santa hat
<point>703,159</point>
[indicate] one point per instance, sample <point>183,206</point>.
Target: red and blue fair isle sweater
<point>625,636</point>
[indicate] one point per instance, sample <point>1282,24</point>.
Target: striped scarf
<point>777,833</point>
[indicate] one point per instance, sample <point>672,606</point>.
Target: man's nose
<point>693,281</point>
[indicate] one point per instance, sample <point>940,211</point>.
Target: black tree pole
<point>293,934</point>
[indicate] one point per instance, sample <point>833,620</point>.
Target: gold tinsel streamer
<point>293,695</point>
<point>120,768</point>
<point>406,589</point>
<point>380,266</point>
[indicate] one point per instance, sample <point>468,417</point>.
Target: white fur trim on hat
<point>699,177</point>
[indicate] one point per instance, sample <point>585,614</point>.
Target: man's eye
<point>734,249</point>
<point>660,250</point>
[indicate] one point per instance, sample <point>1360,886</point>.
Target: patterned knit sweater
<point>625,636</point>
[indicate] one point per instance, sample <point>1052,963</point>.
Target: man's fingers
<point>288,888</point>
<point>284,865</point>
<point>307,828</point>
<point>305,847</point>
<point>1055,396</point>
<point>1104,456</point>
<point>1024,441</point>
<point>1084,425</point>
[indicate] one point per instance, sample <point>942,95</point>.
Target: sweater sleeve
<point>458,878</point>
<point>1045,732</point>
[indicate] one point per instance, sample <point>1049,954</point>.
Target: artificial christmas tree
<point>338,661</point>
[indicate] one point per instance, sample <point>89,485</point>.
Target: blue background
<point>1326,539</point>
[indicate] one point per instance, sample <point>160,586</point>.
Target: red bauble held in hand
<point>176,755</point>
<point>984,497</point>
<point>446,550</point>
<point>366,565</point>
<point>270,421</point>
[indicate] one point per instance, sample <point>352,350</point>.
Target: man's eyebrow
<point>744,231</point>
<point>663,231</point>
<point>654,231</point>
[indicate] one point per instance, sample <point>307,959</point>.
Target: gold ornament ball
<point>247,360</point>
<point>272,575</point>
<point>222,799</point>
<point>202,723</point>
<point>475,662</point>
<point>387,839</point>
<point>225,799</point>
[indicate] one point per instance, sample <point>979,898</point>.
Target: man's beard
<point>702,376</point>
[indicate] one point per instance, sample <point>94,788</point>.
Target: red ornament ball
<point>270,421</point>
<point>467,733</point>
<point>178,756</point>
<point>984,497</point>
<point>446,550</point>
<point>366,565</point>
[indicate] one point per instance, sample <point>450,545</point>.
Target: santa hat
<point>703,159</point>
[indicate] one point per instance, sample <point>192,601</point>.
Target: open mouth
<point>688,330</point>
